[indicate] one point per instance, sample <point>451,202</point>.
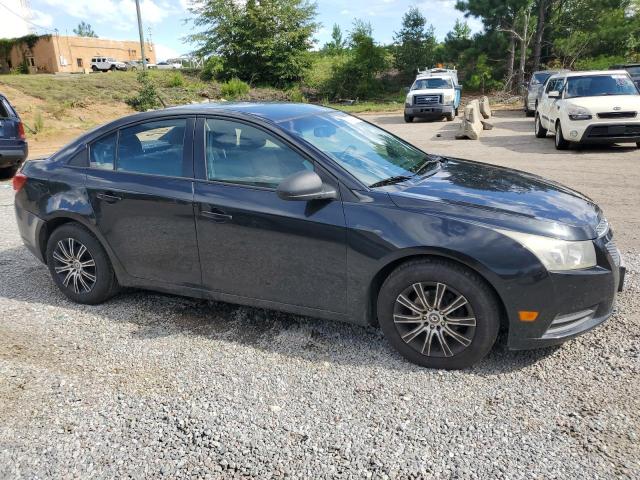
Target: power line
<point>26,19</point>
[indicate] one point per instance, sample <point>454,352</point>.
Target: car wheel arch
<point>429,254</point>
<point>56,221</point>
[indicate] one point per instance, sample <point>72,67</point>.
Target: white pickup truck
<point>435,93</point>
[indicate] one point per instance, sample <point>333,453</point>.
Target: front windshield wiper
<point>390,181</point>
<point>428,160</point>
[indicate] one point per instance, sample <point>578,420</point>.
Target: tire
<point>99,276</point>
<point>561,143</point>
<point>538,129</point>
<point>408,118</point>
<point>94,68</point>
<point>112,68</point>
<point>481,309</point>
<point>457,111</point>
<point>638,144</point>
<point>450,117</point>
<point>9,172</point>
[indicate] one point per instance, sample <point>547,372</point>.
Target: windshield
<point>427,83</point>
<point>540,77</point>
<point>597,85</point>
<point>367,152</point>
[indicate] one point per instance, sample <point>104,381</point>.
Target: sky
<point>165,20</point>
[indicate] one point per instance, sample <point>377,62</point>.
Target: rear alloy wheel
<point>438,314</point>
<point>561,143</point>
<point>79,265</point>
<point>540,131</point>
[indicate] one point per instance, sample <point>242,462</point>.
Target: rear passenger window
<point>155,148</point>
<point>103,152</point>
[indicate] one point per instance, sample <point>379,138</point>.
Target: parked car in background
<point>633,69</point>
<point>13,144</point>
<point>309,210</point>
<point>435,93</point>
<point>169,66</point>
<point>590,107</point>
<point>134,65</point>
<point>105,64</point>
<point>534,89</point>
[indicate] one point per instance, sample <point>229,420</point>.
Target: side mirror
<point>407,89</point>
<point>554,94</point>
<point>458,87</point>
<point>305,186</point>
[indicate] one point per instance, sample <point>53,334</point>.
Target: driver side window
<point>239,153</point>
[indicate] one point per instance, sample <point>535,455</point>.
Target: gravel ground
<point>150,386</point>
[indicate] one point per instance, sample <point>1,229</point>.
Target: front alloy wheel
<point>434,319</point>
<point>438,314</point>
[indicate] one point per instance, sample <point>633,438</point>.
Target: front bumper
<point>611,133</point>
<point>578,301</point>
<point>431,110</point>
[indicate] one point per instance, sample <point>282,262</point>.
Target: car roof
<point>591,73</point>
<point>274,111</point>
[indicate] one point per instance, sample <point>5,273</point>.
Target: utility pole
<point>144,60</point>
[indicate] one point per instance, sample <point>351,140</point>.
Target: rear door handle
<point>109,198</point>
<point>216,215</point>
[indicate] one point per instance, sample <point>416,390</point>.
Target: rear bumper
<point>581,301</point>
<point>13,155</point>
<point>434,110</point>
<point>31,228</point>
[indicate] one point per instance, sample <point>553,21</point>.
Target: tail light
<point>21,134</point>
<point>19,180</point>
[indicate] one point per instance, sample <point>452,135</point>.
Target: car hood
<point>607,103</point>
<point>431,91</point>
<point>501,197</point>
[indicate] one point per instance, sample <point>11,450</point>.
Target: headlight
<point>409,100</point>
<point>447,98</point>
<point>578,113</point>
<point>556,255</point>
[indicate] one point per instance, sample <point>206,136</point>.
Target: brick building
<point>57,53</point>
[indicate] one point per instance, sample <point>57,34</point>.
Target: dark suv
<point>13,145</point>
<point>309,210</point>
<point>633,69</point>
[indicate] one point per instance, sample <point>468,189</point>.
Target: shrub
<point>294,94</point>
<point>212,69</point>
<point>234,88</point>
<point>147,96</point>
<point>175,80</point>
<point>38,123</point>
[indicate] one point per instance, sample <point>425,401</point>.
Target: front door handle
<point>109,198</point>
<point>216,215</point>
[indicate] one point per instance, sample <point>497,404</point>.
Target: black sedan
<point>309,210</point>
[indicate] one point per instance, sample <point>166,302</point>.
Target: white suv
<point>589,107</point>
<point>104,64</point>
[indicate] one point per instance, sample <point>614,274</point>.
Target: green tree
<point>337,43</point>
<point>262,41</point>
<point>414,43</point>
<point>84,30</point>
<point>356,76</point>
<point>456,43</point>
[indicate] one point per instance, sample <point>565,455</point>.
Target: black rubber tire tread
<point>106,282</point>
<point>408,118</point>
<point>468,283</point>
<point>561,144</point>
<point>542,132</point>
